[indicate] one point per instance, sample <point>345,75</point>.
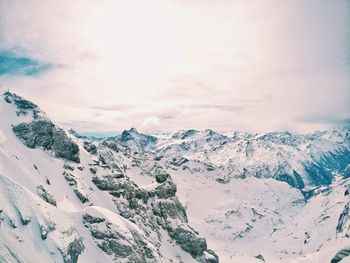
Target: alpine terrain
<point>192,196</point>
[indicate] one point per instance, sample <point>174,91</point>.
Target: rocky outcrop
<point>191,243</point>
<point>72,181</point>
<point>131,142</point>
<point>169,208</point>
<point>72,252</point>
<point>144,224</point>
<point>23,106</point>
<point>45,195</point>
<point>166,189</point>
<point>122,246</point>
<point>81,196</point>
<point>152,210</point>
<point>343,226</point>
<point>316,157</point>
<point>41,133</point>
<point>90,147</point>
<point>181,135</point>
<point>133,134</point>
<point>161,175</point>
<point>46,228</point>
<point>341,254</point>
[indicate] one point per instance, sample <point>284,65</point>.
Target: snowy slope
<point>301,160</point>
<point>229,189</point>
<point>195,196</point>
<point>85,220</point>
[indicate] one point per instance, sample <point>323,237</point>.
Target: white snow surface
<point>240,219</point>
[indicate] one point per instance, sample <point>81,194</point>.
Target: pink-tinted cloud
<point>167,64</point>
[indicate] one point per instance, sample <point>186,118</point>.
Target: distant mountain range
<point>193,196</point>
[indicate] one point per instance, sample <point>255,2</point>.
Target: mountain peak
<point>184,134</point>
<point>38,131</point>
<point>133,130</point>
<point>23,106</point>
<point>126,193</point>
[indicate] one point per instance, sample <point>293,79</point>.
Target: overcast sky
<point>164,65</point>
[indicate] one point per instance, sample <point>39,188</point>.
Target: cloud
<point>112,107</point>
<point>10,64</point>
<point>167,64</point>
<point>337,121</point>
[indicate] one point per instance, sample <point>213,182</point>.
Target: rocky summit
<point>191,196</point>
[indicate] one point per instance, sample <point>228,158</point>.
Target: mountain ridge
<point>139,197</point>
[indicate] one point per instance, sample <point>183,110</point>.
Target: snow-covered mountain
<point>192,196</point>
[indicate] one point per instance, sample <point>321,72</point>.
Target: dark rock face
<point>347,192</point>
<point>166,190</point>
<point>178,161</point>
<point>189,241</point>
<point>88,219</point>
<point>341,254</point>
<point>109,239</point>
<point>93,170</point>
<point>121,250</point>
<point>318,174</point>
<point>151,210</point>
<point>170,208</point>
<point>25,220</point>
<point>41,132</point>
<point>46,135</point>
<point>293,180</point>
<point>110,182</point>
<point>24,106</point>
<point>90,147</point>
<point>260,257</point>
<point>338,160</point>
<point>46,196</point>
<point>343,225</point>
<point>161,176</point>
<point>67,166</point>
<point>71,179</point>
<point>80,195</point>
<point>71,254</point>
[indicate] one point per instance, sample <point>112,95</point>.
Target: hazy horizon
<point>169,65</point>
